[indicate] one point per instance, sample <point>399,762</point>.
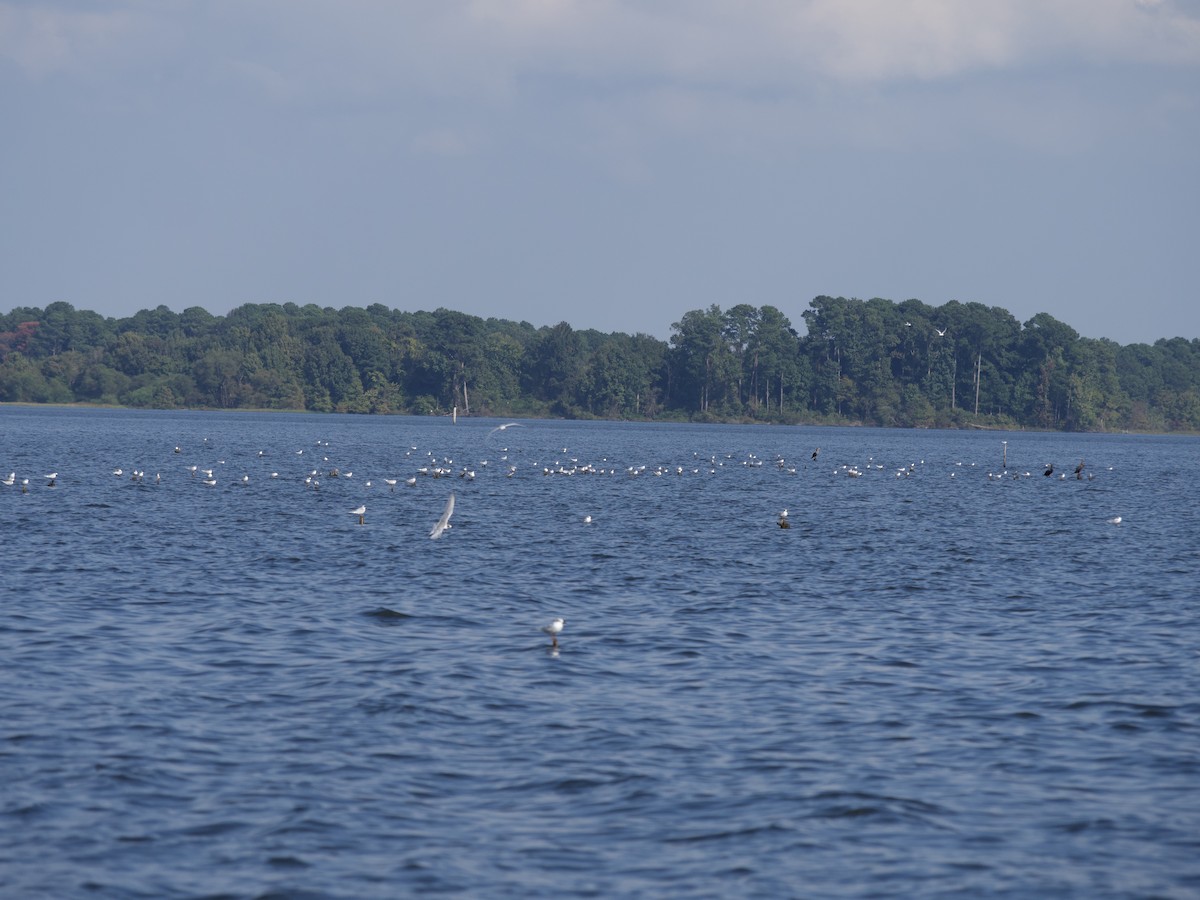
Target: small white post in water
<point>1005,443</point>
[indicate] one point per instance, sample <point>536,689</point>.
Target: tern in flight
<point>505,426</point>
<point>444,522</point>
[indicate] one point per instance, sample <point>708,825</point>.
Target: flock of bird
<point>563,465</point>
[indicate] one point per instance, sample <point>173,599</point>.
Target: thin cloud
<point>44,39</point>
<point>487,46</point>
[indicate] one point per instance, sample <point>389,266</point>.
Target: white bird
<point>444,522</point>
<point>587,520</point>
<point>391,483</point>
<point>1115,521</point>
<point>361,512</point>
<point>503,427</point>
<point>12,477</point>
<point>941,332</point>
<point>553,630</point>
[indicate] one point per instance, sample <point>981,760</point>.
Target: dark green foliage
<point>874,362</point>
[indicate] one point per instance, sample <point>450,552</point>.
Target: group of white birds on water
<point>435,466</point>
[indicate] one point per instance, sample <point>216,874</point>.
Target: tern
<point>503,427</point>
<point>553,630</point>
<point>444,522</point>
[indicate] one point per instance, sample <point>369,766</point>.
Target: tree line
<point>872,362</point>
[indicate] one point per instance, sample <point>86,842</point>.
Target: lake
<point>945,678</point>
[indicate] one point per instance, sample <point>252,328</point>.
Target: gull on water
<point>444,522</point>
<point>361,512</point>
<point>553,630</point>
<point>1116,520</point>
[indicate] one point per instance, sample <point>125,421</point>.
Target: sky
<point>608,163</point>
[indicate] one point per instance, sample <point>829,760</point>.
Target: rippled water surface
<point>944,679</point>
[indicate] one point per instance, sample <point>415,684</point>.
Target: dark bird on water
<point>1049,470</point>
<point>1079,471</point>
<point>815,452</point>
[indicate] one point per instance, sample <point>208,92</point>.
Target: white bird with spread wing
<point>444,522</point>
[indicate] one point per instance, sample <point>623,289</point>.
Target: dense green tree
<point>871,361</point>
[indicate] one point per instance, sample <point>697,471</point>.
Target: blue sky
<point>608,163</point>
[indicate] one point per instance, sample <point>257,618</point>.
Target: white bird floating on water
<point>1116,520</point>
<point>553,630</point>
<point>361,512</point>
<point>10,480</point>
<point>444,522</point>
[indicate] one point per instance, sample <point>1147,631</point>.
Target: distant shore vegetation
<point>869,362</point>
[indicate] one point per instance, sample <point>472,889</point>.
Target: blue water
<point>934,683</point>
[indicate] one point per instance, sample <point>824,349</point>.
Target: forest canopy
<point>873,362</point>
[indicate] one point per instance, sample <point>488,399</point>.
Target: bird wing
<point>444,520</point>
